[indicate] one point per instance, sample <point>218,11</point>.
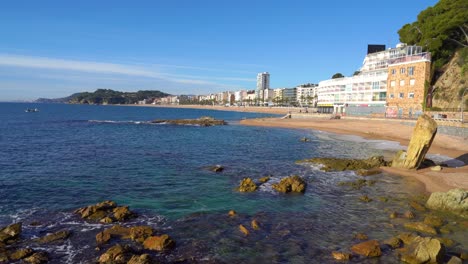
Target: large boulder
<point>159,243</point>
<point>291,184</point>
<point>60,235</point>
<point>115,255</point>
<point>135,233</point>
<point>455,201</point>
<point>105,212</point>
<point>369,248</point>
<point>247,185</point>
<point>10,232</point>
<point>421,140</point>
<point>424,250</point>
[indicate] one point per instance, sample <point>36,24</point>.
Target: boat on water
<point>31,110</point>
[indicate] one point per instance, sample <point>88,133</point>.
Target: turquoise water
<point>68,156</point>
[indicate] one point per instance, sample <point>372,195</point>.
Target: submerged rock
<point>421,140</point>
<point>290,184</point>
<point>336,164</point>
<point>361,236</point>
<point>202,121</point>
<point>255,225</point>
<point>60,235</point>
<point>455,201</point>
<point>433,221</point>
<point>421,227</point>
<point>369,248</point>
<point>247,185</point>
<point>341,256</point>
<point>369,172</point>
<point>243,230</point>
<point>158,243</point>
<point>216,168</point>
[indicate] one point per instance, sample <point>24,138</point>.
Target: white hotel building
<point>366,92</point>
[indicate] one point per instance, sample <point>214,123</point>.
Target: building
<point>306,94</point>
<point>263,87</point>
<point>366,92</point>
<point>250,97</point>
<point>406,83</point>
<point>289,96</point>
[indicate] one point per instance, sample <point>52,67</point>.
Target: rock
<point>433,221</point>
<point>122,213</point>
<point>455,201</point>
<point>420,227</point>
<point>446,241</point>
<point>416,206</point>
<point>421,140</point>
<point>141,259</point>
<point>365,199</point>
<point>216,168</point>
<point>369,172</point>
<point>140,233</point>
<point>424,249</point>
<point>409,215</point>
<point>291,184</point>
<point>10,232</point>
<point>135,233</point>
<point>243,230</point>
<point>393,242</point>
<point>247,185</point>
<point>335,164</point>
<point>21,253</point>
<point>264,179</point>
<point>436,168</point>
<point>341,256</point>
<point>361,236</point>
<point>369,248</point>
<point>158,243</point>
<point>304,139</point>
<point>38,258</point>
<point>455,260</point>
<point>87,211</point>
<point>232,213</point>
<point>97,216</point>
<point>202,121</point>
<point>61,235</point>
<point>106,220</point>
<point>358,184</point>
<point>114,255</point>
<point>254,224</point>
<point>103,237</point>
<point>393,215</point>
<point>464,256</point>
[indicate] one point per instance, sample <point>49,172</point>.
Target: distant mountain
<point>106,96</point>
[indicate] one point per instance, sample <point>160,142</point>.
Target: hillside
<point>106,96</point>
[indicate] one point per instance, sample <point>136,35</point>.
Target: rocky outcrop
<point>247,185</point>
<point>421,140</point>
<point>115,255</point>
<point>10,233</point>
<point>37,258</point>
<point>61,235</point>
<point>369,248</point>
<point>423,250</point>
<point>290,184</point>
<point>140,259</point>
<point>335,164</point>
<point>202,121</point>
<point>106,212</point>
<point>135,233</point>
<point>159,243</point>
<point>455,201</point>
<point>421,227</point>
<point>341,256</point>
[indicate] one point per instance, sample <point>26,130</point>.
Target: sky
<point>52,49</point>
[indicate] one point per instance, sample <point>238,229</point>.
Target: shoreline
<point>434,181</point>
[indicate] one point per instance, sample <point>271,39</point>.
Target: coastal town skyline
<point>201,49</point>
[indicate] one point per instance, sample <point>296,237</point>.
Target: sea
<point>69,156</point>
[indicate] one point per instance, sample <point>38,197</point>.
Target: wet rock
<point>464,256</point>
<point>37,258</point>
<point>393,215</point>
<point>87,211</point>
<point>369,172</point>
<point>202,121</point>
<point>10,232</point>
<point>97,216</point>
<point>341,256</point>
<point>264,179</point>
<point>369,248</point>
<point>455,260</point>
<point>361,236</point>
<point>103,237</point>
<point>243,230</point>
<point>232,213</point>
<point>455,201</point>
<point>21,253</point>
<point>433,221</point>
<point>365,199</point>
<point>393,242</point>
<point>114,255</point>
<point>106,220</point>
<point>304,139</point>
<point>358,184</point>
<point>254,224</point>
<point>122,213</point>
<point>158,243</point>
<point>140,233</point>
<point>420,227</point>
<point>140,259</point>
<point>247,185</point>
<point>216,168</point>
<point>61,235</point>
<point>421,140</point>
<point>424,249</point>
<point>446,241</point>
<point>407,238</point>
<point>436,168</point>
<point>3,257</point>
<point>416,206</point>
<point>409,215</point>
<point>135,233</point>
<point>336,164</point>
<point>290,184</point>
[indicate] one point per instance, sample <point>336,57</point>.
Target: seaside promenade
<point>370,128</point>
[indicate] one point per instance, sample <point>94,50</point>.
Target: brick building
<point>406,82</point>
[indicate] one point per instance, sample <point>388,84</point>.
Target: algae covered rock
<point>60,235</point>
<point>337,164</point>
<point>369,248</point>
<point>290,184</point>
<point>455,201</point>
<point>247,185</point>
<point>10,232</point>
<point>421,140</point>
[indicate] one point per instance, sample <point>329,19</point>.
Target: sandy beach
<point>392,130</point>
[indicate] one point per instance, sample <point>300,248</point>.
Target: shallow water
<point>68,156</point>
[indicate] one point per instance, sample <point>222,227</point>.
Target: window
<point>410,95</point>
<point>410,70</point>
<point>392,83</point>
<point>402,70</point>
<point>401,95</point>
<point>393,71</point>
<point>411,82</point>
<point>402,82</point>
<point>391,96</point>
<point>375,85</point>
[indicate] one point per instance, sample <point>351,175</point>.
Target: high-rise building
<point>263,81</point>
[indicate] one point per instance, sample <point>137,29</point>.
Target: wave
<point>119,122</point>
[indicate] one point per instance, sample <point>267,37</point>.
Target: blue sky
<point>56,48</point>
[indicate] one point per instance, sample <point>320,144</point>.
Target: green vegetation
<point>107,96</point>
<point>337,75</point>
<point>441,30</point>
